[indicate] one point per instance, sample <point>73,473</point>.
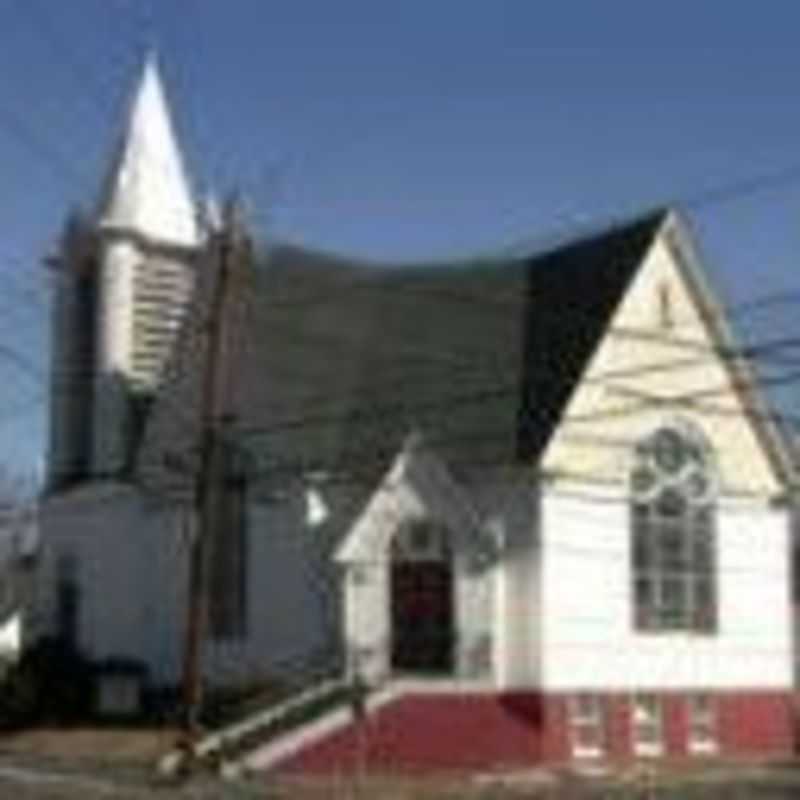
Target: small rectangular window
<point>587,726</point>
<point>67,598</point>
<point>702,713</point>
<point>647,722</point>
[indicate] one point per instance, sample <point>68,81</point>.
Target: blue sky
<point>414,129</point>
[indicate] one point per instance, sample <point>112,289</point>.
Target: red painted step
<point>433,733</point>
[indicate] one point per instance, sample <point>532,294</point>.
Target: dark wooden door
<point>422,616</point>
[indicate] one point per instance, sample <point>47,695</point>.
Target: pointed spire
<point>146,191</point>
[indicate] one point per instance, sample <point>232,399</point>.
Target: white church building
<point>539,494</point>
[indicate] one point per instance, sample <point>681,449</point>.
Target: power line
<point>381,411</point>
<point>739,187</point>
<point>495,391</point>
<point>39,148</point>
<point>764,349</point>
<point>292,335</point>
<point>360,466</point>
<point>563,235</point>
<point>396,286</point>
<point>41,24</point>
<point>24,365</point>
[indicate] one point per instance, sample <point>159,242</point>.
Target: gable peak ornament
<point>666,318</point>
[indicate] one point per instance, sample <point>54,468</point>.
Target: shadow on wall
<point>527,708</point>
<point>110,452</point>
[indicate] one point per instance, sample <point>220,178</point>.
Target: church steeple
<point>120,306</point>
<point>146,192</point>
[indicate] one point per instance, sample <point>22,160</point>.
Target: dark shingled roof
<point>573,293</point>
<point>343,359</point>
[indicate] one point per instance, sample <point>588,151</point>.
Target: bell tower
<point>124,278</point>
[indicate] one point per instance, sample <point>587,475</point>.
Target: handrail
<point>233,733</point>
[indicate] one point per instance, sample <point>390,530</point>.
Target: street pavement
<point>34,779</point>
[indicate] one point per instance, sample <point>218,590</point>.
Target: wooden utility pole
<point>226,250</point>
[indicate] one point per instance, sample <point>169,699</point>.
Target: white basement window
<point>647,719</point>
<point>702,714</point>
<point>586,726</point>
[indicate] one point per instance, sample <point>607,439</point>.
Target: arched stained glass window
<point>672,491</point>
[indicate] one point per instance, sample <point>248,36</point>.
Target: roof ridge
<point>548,243</point>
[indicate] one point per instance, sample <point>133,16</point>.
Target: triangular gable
<point>744,382</point>
<point>668,351</point>
<point>573,293</point>
<point>416,486</point>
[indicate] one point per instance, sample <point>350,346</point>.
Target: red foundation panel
<point>427,733</point>
<point>435,733</point>
<point>756,723</point>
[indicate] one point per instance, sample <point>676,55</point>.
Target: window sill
<point>687,634</point>
<point>703,748</point>
<point>588,752</point>
<point>648,750</point>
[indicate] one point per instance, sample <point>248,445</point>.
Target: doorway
<point>422,613</point>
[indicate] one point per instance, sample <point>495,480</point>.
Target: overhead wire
<point>767,353</point>
<point>41,24</point>
<point>716,195</point>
